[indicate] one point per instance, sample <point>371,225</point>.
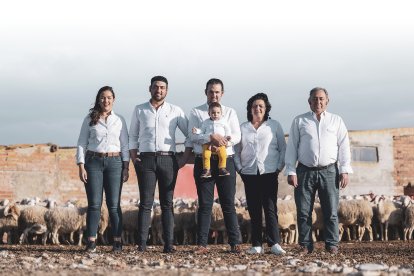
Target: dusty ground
<point>395,257</point>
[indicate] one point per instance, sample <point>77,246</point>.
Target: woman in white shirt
<point>259,160</point>
<point>103,158</point>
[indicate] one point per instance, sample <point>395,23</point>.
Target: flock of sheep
<point>361,217</point>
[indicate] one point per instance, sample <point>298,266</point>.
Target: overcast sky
<point>55,55</point>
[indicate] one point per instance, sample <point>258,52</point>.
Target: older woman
<point>259,160</point>
<point>103,159</point>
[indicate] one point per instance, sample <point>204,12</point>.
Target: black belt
<point>157,153</point>
<point>317,168</point>
<point>213,156</point>
<point>103,154</point>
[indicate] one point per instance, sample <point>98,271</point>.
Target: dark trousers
<point>150,170</point>
<point>326,183</point>
<point>261,193</point>
<point>104,173</point>
<point>226,187</point>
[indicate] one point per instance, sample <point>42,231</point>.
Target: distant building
<point>383,163</point>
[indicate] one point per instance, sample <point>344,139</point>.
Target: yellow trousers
<point>221,153</point>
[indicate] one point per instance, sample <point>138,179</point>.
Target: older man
<point>318,141</point>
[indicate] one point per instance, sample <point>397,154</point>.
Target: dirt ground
<point>394,257</point>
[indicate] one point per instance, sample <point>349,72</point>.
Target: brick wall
<point>33,170</point>
<point>403,159</point>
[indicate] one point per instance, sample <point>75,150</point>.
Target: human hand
<point>293,180</point>
<point>125,174</point>
<point>218,140</point>
<point>214,148</point>
<point>83,175</point>
<point>195,130</point>
<point>343,180</point>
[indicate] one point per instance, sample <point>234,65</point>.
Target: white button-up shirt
<point>109,136</point>
<point>210,126</point>
<point>262,149</point>
<point>318,143</point>
<point>154,129</point>
<point>199,114</point>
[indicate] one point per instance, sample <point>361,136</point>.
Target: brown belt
<point>157,153</point>
<point>103,154</point>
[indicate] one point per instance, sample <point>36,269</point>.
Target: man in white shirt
<point>152,134</point>
<point>319,142</point>
<point>226,185</point>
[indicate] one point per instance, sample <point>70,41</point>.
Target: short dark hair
<point>159,78</point>
<point>213,105</point>
<point>215,81</point>
<point>258,96</point>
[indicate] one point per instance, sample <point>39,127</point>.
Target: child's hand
<point>195,130</point>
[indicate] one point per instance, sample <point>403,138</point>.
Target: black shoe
<point>223,172</point>
<point>117,246</point>
<point>169,249</point>
<point>236,249</point>
<point>141,248</point>
<point>205,174</point>
<point>90,247</point>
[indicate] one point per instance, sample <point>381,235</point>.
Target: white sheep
<point>129,223</point>
<point>389,214</point>
<point>184,222</point>
<point>287,221</point>
<point>9,215</point>
<point>65,220</point>
<point>355,213</point>
<point>408,218</point>
<point>31,221</point>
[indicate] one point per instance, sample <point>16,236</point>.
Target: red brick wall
<point>403,159</point>
<point>33,170</point>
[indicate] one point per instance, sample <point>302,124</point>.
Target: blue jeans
<point>149,170</point>
<point>326,183</point>
<point>226,187</point>
<point>261,194</point>
<point>104,173</point>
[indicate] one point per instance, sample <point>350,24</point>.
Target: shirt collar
<point>323,114</point>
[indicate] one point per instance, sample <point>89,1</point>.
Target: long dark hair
<point>258,96</point>
<point>95,111</point>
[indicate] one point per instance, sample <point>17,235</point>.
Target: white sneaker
<point>255,250</point>
<point>277,249</point>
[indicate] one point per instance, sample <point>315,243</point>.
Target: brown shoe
<point>201,250</point>
<point>333,250</point>
<point>205,174</point>
<point>303,250</point>
<point>236,249</point>
<point>223,172</point>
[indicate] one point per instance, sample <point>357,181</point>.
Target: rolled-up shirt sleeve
<point>291,155</point>
<point>134,130</point>
<point>83,141</point>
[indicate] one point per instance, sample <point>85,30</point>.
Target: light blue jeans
<point>104,173</point>
<point>326,183</point>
